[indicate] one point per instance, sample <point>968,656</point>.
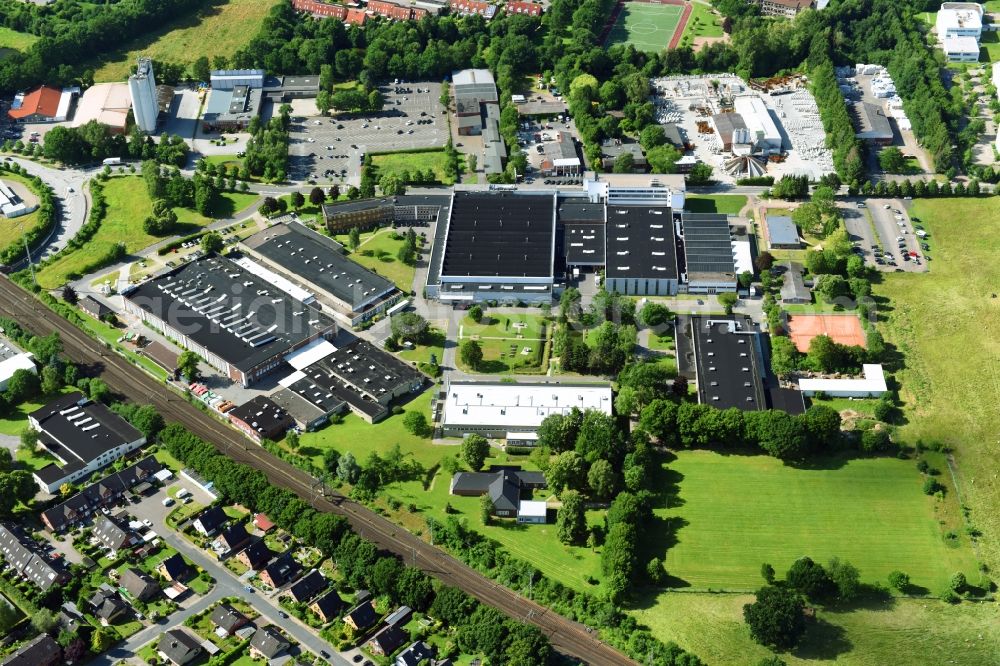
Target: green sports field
<point>737,512</point>
<point>646,26</point>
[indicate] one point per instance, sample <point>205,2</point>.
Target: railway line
<point>568,637</point>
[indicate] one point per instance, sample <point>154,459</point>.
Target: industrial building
<point>627,189</point>
<point>728,361</point>
<point>142,89</point>
<point>357,376</point>
<point>960,49</point>
<point>107,104</point>
<point>582,224</point>
<point>11,204</point>
<point>320,273</point>
<point>260,418</point>
<point>870,385</point>
<point>236,320</point>
<point>473,89</point>
<point>871,124</point>
<point>709,263</point>
<point>959,19</point>
<point>726,125</point>
<point>13,359</point>
<point>641,251</point>
<point>764,133</point>
<point>559,157</point>
<point>238,95</point>
<point>782,234</point>
<point>611,149</point>
<point>499,246</point>
<point>514,411</point>
<point>83,436</point>
<point>44,104</point>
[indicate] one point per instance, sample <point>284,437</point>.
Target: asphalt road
<point>568,637</point>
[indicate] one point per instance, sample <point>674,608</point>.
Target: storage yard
<point>743,130</point>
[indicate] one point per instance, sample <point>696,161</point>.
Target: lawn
<point>989,47</point>
<point>648,27</point>
<point>916,632</point>
<point>220,29</point>
<point>730,204</point>
<point>128,205</point>
<point>737,512</point>
<point>12,229</point>
<point>15,420</point>
<point>14,40</point>
<point>414,161</point>
<point>422,353</point>
<point>510,343</point>
<point>947,325</point>
<point>35,461</point>
<point>377,253</point>
<point>702,23</point>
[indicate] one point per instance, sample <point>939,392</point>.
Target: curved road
<point>568,637</point>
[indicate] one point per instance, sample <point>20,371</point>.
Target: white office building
<point>959,19</point>
<point>871,385</point>
<point>142,88</point>
<point>960,49</point>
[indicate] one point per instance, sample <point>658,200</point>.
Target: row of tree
<point>267,148</point>
<point>94,141</point>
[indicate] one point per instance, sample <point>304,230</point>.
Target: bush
<point>931,486</point>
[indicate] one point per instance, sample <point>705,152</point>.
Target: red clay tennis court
<point>845,329</point>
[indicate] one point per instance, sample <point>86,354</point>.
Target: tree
<point>728,300</point>
<point>891,160</point>
<point>475,450</point>
<point>409,326</point>
<point>602,479</point>
<point>476,313</point>
<point>471,353</point>
<point>29,441</point>
<point>958,583</point>
<point>52,379</point>
<point>764,261</point>
<point>846,579</point>
<point>624,163</point>
<point>9,616</point>
<point>451,605</point>
<point>212,243</point>
<point>654,314</point>
<point>700,174</point>
<point>353,238</point>
<point>187,363</point>
<point>297,200</point>
<point>16,486</point>
<point>44,621</point>
<point>316,196</point>
<point>874,440</point>
<point>392,185</point>
<point>348,469</point>
<point>22,385</point>
<point>571,521</point>
<point>416,423</point>
<point>656,572</point>
<point>810,578</point>
<point>776,617</point>
<point>662,158</point>
<point>899,580</point>
<point>69,295</point>
<point>486,509</point>
<point>99,390</point>
<point>567,471</point>
<point>201,70</point>
<point>103,638</point>
<point>767,573</point>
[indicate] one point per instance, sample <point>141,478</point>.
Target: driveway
<point>227,585</point>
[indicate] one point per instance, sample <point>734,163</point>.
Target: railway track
<point>568,637</point>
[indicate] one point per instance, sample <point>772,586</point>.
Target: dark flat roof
<point>640,243</point>
<point>338,207</point>
<point>234,314</point>
<point>584,243</point>
<point>580,210</point>
<point>500,234</point>
<point>728,357</point>
<point>318,260</point>
<point>77,429</point>
<point>708,247</point>
<point>263,415</point>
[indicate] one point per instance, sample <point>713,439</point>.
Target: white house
<point>872,385</point>
<point>531,511</point>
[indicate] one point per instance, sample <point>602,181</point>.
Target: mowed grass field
<point>13,40</point>
<point>915,632</point>
<point>730,204</point>
<point>221,28</point>
<point>410,162</point>
<point>646,26</point>
<point>738,512</point>
<point>504,339</point>
<point>947,324</point>
<point>383,259</point>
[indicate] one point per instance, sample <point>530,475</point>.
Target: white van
<point>182,493</point>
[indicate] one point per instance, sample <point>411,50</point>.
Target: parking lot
<point>887,237</point>
<point>329,150</point>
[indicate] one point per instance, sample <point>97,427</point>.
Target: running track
<point>567,637</point>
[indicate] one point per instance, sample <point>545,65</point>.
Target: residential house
<point>21,554</point>
<point>262,522</point>
<point>174,568</point>
<point>138,584</point>
<point>328,606</point>
<point>611,149</point>
<point>228,619</point>
<point>232,540</point>
<point>361,616</point>
<point>71,619</point>
<point>40,651</point>
<point>255,556</point>
<point>179,647</point>
<point>210,520</point>
<point>114,534</point>
<point>107,605</point>
<point>308,586</point>
<point>93,307</point>
<point>268,643</point>
<point>399,617</point>
<point>281,571</point>
<point>387,640</point>
<point>415,654</point>
<point>504,486</point>
<point>105,492</point>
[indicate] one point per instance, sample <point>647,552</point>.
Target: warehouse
<point>260,418</point>
<point>315,263</point>
<point>358,375</point>
<point>709,265</point>
<point>728,363</point>
<point>641,251</point>
<point>473,89</point>
<point>726,125</point>
<point>764,132</point>
<point>782,234</point>
<point>83,436</point>
<point>582,226</point>
<point>106,103</point>
<point>871,124</point>
<point>509,411</point>
<point>44,104</point>
<point>232,109</point>
<point>498,246</point>
<point>235,320</point>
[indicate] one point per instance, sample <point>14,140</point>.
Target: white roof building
<point>494,410</point>
<point>872,385</point>
<point>959,19</point>
<point>763,130</point>
<point>996,77</point>
<point>107,103</point>
<point>13,359</point>
<point>961,49</point>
